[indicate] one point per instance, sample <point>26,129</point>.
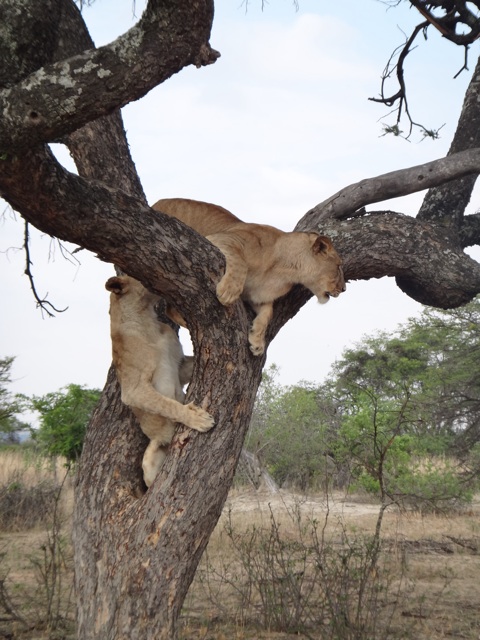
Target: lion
<point>262,262</point>
<point>151,369</point>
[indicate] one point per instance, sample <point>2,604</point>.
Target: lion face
<point>325,276</point>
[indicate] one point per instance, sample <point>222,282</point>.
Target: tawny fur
<point>151,369</point>
<point>262,262</point>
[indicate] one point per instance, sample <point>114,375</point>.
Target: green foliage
<point>393,403</point>
<point>289,431</point>
<point>64,416</point>
<point>412,396</point>
<point>10,405</point>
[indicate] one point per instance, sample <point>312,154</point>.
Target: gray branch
<point>348,202</point>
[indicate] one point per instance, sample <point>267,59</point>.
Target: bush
<point>292,578</point>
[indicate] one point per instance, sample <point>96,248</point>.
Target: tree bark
<point>137,551</point>
<point>62,96</point>
<point>348,202</point>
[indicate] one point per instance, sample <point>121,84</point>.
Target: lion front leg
<point>231,285</point>
<point>146,399</point>
<point>256,336</point>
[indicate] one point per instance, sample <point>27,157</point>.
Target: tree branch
<point>470,231</point>
<point>446,204</point>
<point>418,254</point>
<point>456,21</point>
<point>104,220</point>
<point>401,95</point>
<point>61,97</point>
<point>347,202</point>
<point>456,13</point>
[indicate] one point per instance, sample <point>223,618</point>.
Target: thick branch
<point>470,230</point>
<point>104,220</point>
<point>61,97</point>
<point>347,202</point>
<point>418,254</point>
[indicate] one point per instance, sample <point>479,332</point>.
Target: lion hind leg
<point>153,459</point>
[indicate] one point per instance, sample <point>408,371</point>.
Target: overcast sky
<point>277,125</point>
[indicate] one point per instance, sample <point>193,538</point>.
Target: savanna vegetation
<point>369,528</point>
<point>399,416</point>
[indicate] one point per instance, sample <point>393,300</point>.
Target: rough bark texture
<point>60,97</point>
<point>136,551</point>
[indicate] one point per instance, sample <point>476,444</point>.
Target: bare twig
<point>43,303</point>
<point>456,21</point>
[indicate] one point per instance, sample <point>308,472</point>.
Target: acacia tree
<point>136,552</point>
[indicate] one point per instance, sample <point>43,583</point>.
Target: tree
<point>136,552</point>
<point>290,431</point>
<point>64,416</point>
<point>10,405</point>
<point>450,398</point>
<point>431,365</point>
<point>413,395</point>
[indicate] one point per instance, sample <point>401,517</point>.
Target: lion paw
<point>257,345</point>
<point>197,418</point>
<point>227,291</point>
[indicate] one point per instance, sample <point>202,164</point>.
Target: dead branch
<point>457,16</point>
<point>42,303</point>
<point>348,202</point>
<point>458,23</point>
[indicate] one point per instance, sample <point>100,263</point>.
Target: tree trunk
<point>138,552</point>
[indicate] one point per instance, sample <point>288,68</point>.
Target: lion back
<point>204,217</point>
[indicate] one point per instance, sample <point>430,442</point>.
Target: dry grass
<point>29,487</point>
<point>432,564</point>
<point>28,468</point>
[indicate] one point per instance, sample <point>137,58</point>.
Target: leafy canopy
<point>64,416</point>
<point>11,405</point>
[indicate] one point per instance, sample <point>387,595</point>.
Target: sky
<point>278,124</point>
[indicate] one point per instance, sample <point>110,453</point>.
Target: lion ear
<point>321,244</point>
<point>116,285</point>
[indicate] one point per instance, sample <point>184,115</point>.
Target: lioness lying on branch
<point>151,369</point>
<point>262,262</point>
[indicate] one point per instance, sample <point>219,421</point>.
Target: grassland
<point>307,563</point>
